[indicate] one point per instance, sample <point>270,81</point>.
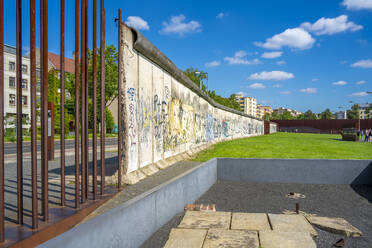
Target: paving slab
<point>275,239</point>
<point>231,239</point>
<point>250,221</point>
<point>186,238</point>
<point>206,220</point>
<point>291,223</point>
<point>335,225</point>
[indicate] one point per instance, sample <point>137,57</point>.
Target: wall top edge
<point>150,51</point>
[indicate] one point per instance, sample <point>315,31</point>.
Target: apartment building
<point>364,111</point>
<point>293,112</point>
<point>10,81</point>
<point>239,97</point>
<point>263,110</point>
<point>341,115</point>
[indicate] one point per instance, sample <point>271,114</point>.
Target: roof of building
<point>54,59</point>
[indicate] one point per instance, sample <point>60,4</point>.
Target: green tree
<point>309,115</point>
<point>267,117</point>
<point>326,115</point>
<point>353,113</point>
<point>275,116</point>
<point>197,76</point>
<point>286,116</point>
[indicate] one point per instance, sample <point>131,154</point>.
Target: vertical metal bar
<point>119,101</point>
<point>1,121</point>
<point>83,127</point>
<point>86,102</point>
<point>62,105</point>
<point>44,105</point>
<point>103,100</point>
<point>33,115</point>
<point>77,167</point>
<point>19,116</point>
<point>94,99</point>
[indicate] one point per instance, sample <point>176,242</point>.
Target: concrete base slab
<point>150,169</point>
<point>162,164</point>
<point>291,223</point>
<point>275,239</point>
<point>335,225</point>
<point>206,220</point>
<point>250,221</point>
<point>133,177</point>
<point>186,238</point>
<point>231,239</point>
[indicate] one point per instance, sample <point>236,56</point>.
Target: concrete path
<point>251,230</point>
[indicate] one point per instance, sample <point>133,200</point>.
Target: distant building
<point>341,115</point>
<point>260,111</point>
<point>293,112</point>
<point>10,81</point>
<point>364,111</point>
<point>248,105</point>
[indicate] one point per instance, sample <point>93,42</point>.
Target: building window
<point>24,83</point>
<point>24,68</point>
<point>11,66</point>
<point>12,99</point>
<point>24,100</point>
<point>12,82</point>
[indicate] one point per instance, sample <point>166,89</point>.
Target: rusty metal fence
<point>82,188</point>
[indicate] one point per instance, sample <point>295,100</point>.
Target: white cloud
<point>366,63</point>
<point>286,92</point>
<point>340,83</point>
<point>360,94</point>
<point>281,62</point>
<point>137,22</point>
<point>309,90</point>
<point>271,75</point>
<point>331,25</point>
<point>296,38</point>
<point>240,93</point>
<point>177,25</point>
<point>277,85</point>
<point>257,86</point>
<point>221,15</point>
<point>357,4</point>
<point>214,63</point>
<point>239,59</point>
<point>361,82</point>
<point>271,55</point>
<point>314,79</point>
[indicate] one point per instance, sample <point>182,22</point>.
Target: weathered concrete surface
<point>275,239</point>
<point>186,238</point>
<point>335,225</point>
<point>291,223</point>
<point>206,220</point>
<point>250,221</point>
<point>231,239</point>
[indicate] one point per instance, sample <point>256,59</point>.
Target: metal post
<point>44,105</point>
<point>19,115</point>
<point>94,99</point>
<point>62,104</point>
<point>1,121</point>
<point>83,175</point>
<point>103,100</point>
<point>77,167</point>
<point>33,115</point>
<point>119,101</point>
<point>86,101</point>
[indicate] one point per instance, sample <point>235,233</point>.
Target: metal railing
<point>81,191</point>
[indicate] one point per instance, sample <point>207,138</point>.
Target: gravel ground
<point>353,203</point>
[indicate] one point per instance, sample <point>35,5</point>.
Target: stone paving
<point>252,230</point>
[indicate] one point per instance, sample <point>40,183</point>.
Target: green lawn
<point>289,145</point>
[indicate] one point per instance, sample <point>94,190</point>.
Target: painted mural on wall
<point>165,117</point>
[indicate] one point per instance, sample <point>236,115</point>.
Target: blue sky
<point>298,54</point>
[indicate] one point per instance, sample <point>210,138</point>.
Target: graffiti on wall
<point>132,134</point>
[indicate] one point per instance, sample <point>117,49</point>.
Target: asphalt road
<point>11,147</point>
